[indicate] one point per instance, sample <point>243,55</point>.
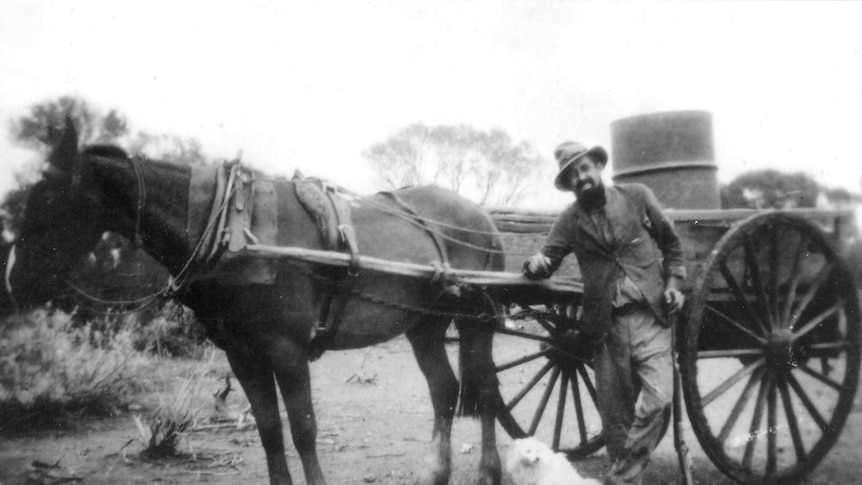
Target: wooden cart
<point>769,348</point>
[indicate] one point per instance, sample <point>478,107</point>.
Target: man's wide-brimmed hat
<point>568,153</point>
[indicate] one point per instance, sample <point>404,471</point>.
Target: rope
<point>382,208</point>
<point>124,312</point>
<point>417,220</point>
<point>96,299</point>
<point>146,302</point>
<point>177,282</point>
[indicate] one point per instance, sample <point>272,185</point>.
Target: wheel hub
<point>780,351</point>
<point>569,348</point>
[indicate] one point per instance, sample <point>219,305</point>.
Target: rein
<point>426,224</point>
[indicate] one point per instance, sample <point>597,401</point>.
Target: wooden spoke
<point>806,401</point>
<point>523,360</point>
<point>720,354</point>
<point>732,380</point>
<point>809,295</point>
<point>561,409</point>
<point>546,324</point>
<point>544,370</point>
<point>791,419</point>
<point>579,408</point>
<point>739,295</point>
<point>736,325</point>
<point>587,382</point>
<point>546,396</point>
<point>526,335</point>
<point>754,430</point>
<point>771,428</point>
<point>820,377</point>
<point>757,280</point>
<point>774,302</point>
<point>811,325</point>
<point>740,404</point>
<point>816,349</point>
<point>529,412</point>
<point>796,275</point>
<point>774,275</point>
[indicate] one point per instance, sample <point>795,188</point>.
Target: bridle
<point>141,201</point>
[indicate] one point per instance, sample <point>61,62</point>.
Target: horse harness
<point>242,210</point>
<point>331,213</point>
<point>245,210</point>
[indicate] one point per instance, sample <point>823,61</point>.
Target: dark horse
<point>267,330</point>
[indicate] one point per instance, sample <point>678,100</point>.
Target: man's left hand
<point>674,300</point>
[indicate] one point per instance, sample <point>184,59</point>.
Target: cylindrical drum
<point>671,153</point>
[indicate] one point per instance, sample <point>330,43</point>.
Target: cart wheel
<point>540,364</point>
<point>770,360</point>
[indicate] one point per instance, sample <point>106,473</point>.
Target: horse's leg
<point>426,337</point>
<point>290,364</point>
<point>257,381</point>
<point>478,396</point>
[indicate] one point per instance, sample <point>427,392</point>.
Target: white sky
<point>311,85</point>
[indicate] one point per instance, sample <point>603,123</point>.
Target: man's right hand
<point>537,266</point>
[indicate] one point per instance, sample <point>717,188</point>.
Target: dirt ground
<point>374,420</point>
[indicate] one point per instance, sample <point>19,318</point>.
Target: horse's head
<point>64,219</point>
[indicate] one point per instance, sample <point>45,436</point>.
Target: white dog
<point>531,462</point>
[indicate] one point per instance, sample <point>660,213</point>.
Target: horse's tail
<point>478,380</point>
<point>479,386</point>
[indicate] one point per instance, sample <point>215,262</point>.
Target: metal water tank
<point>672,153</point>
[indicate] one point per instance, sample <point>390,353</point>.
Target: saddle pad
<point>316,203</point>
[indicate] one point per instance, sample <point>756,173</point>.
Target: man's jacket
<point>639,231</point>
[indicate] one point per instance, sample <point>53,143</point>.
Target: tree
<point>486,166</point>
<point>170,148</point>
<point>114,270</point>
<point>762,189</point>
<point>37,130</point>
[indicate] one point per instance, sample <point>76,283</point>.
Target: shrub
<point>172,331</point>
<point>171,338</point>
<point>176,415</point>
<point>51,370</point>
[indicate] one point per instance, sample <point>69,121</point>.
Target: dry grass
<point>51,372</point>
<point>163,430</point>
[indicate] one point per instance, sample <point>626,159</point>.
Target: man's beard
<point>593,196</point>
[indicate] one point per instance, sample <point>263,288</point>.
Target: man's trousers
<point>634,381</point>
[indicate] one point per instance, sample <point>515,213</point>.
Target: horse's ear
<point>65,152</point>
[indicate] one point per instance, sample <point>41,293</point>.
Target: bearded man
<point>628,290</point>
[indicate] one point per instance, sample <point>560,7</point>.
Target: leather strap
<point>435,236</point>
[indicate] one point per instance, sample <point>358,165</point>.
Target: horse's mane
<point>108,151</point>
